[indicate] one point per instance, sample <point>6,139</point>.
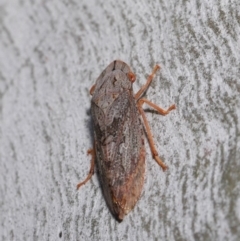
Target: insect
<point>119,124</point>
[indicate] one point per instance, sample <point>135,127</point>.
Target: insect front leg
<point>149,80</point>
<point>91,171</point>
<point>92,89</point>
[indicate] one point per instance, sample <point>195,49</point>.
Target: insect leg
<point>156,107</point>
<point>150,138</point>
<point>92,89</point>
<point>91,171</point>
<point>149,80</point>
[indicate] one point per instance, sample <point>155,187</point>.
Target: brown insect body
<point>119,139</point>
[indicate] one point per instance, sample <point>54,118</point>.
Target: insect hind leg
<point>151,141</point>
<point>91,171</point>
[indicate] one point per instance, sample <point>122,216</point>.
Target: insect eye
<point>131,76</point>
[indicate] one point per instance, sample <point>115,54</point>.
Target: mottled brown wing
<point>120,153</point>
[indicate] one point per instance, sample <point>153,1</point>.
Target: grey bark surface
<point>51,53</point>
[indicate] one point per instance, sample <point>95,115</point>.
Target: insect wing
<point>120,151</point>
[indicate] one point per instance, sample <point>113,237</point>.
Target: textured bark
<point>51,53</point>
